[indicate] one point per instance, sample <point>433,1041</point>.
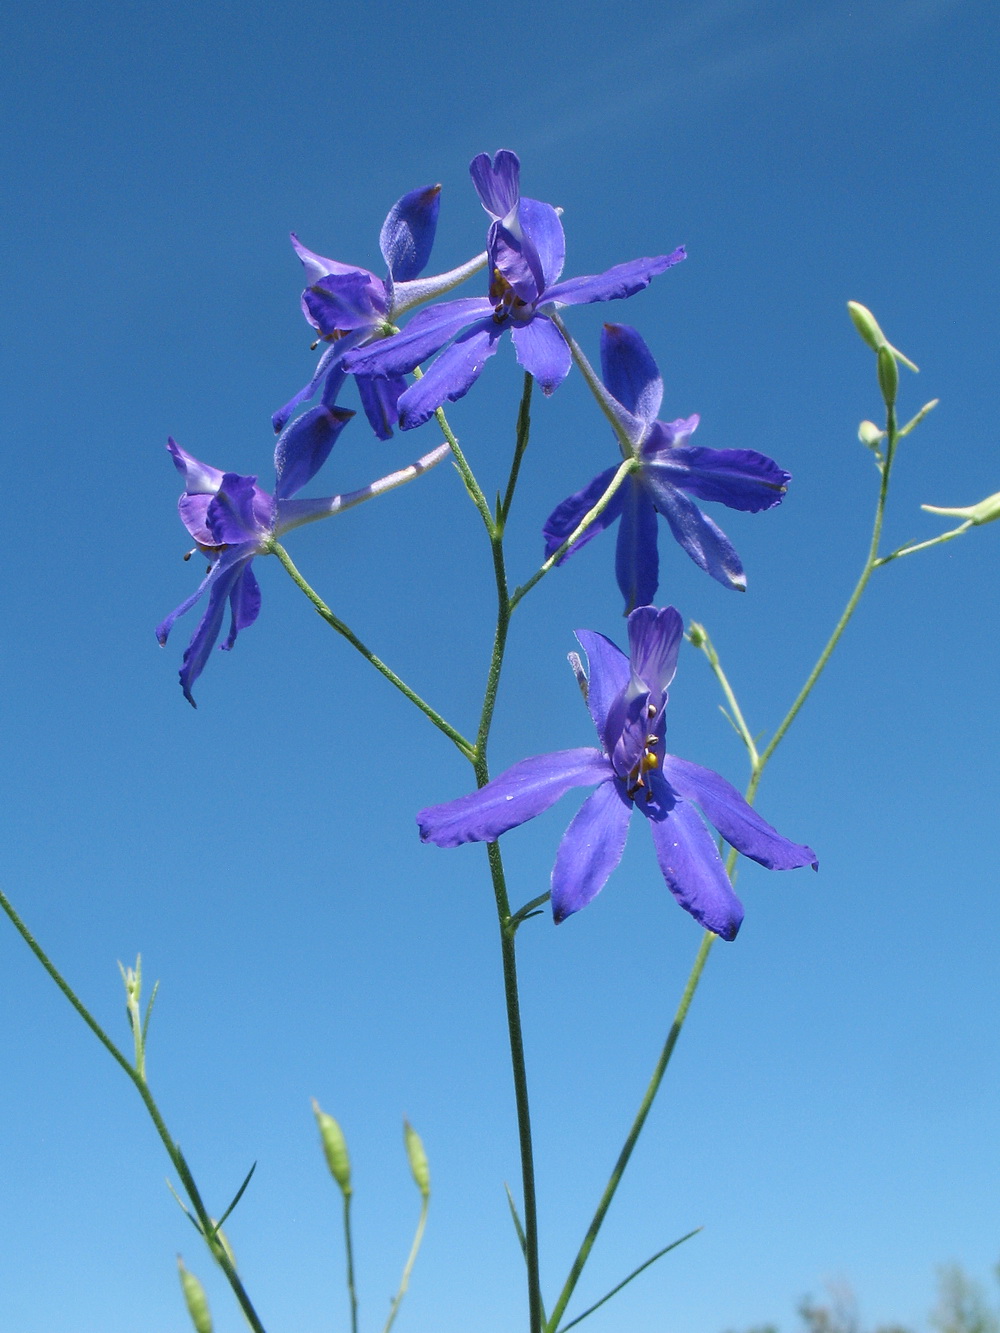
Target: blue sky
<point>832,1109</point>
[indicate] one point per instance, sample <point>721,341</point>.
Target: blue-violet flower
<point>349,305</point>
<point>627,698</point>
<point>670,472</point>
<point>526,249</point>
<point>232,520</point>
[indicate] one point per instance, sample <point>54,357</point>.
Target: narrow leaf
<point>635,1273</point>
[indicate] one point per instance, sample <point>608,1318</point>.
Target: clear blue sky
<point>832,1110</point>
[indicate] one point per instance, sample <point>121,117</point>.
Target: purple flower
<point>670,472</point>
<point>232,520</point>
<point>627,700</point>
<point>525,253</point>
<point>349,305</point>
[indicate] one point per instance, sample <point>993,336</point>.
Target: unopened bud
<point>888,376</point>
<point>418,1159</point>
<point>195,1299</point>
<point>334,1149</point>
<point>866,324</point>
<point>984,512</point>
<point>870,435</point>
<point>696,634</point>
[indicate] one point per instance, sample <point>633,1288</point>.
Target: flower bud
<point>418,1159</point>
<point>870,435</point>
<point>195,1300</point>
<point>334,1149</point>
<point>866,324</point>
<point>888,376</point>
<point>984,512</point>
<point>696,634</point>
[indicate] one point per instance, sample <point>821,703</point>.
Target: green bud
<point>984,512</point>
<point>870,435</point>
<point>866,324</point>
<point>334,1149</point>
<point>888,376</point>
<point>418,1159</point>
<point>195,1299</point>
<point>696,634</point>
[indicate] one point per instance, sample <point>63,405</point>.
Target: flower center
<point>506,301</point>
<point>635,780</point>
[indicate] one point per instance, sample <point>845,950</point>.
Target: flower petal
<point>327,369</point>
<point>543,352</point>
<point>219,583</point>
<point>629,372</point>
<point>234,517</point>
<point>497,182</point>
<point>740,825</point>
<point>341,302</point>
<point>608,676</point>
<point>706,544</point>
<point>317,266</point>
<point>514,797</point>
<point>407,234</point>
<point>740,478</point>
<point>244,603</point>
<point>566,517</point>
<point>618,282</point>
<point>304,446</point>
<point>540,224</point>
<point>451,376</point>
<point>379,397</point>
<point>423,336</point>
<point>193,510</point>
<point>637,562</point>
<point>590,849</point>
<point>199,478</point>
<point>655,638</point>
<point>693,870</point>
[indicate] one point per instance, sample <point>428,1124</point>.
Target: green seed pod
<point>418,1159</point>
<point>888,376</point>
<point>986,511</point>
<point>870,435</point>
<point>334,1149</point>
<point>195,1299</point>
<point>866,324</point>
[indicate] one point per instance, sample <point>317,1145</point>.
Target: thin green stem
<point>604,400</point>
<point>465,472</point>
<point>206,1225</point>
<point>708,939</point>
<point>923,546</point>
<point>336,623</point>
<point>871,563</point>
<point>699,636</point>
<point>624,470</point>
<point>523,431</point>
<point>349,1248</point>
<point>625,1281</point>
<point>404,1281</point>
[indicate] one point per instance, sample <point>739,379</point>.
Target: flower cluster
<point>355,315</point>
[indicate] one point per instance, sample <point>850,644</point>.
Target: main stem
<point>508,928</point>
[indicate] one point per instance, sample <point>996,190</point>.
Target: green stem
<point>465,472</point>
<point>923,546</point>
<point>871,564</point>
<point>708,939</point>
<point>207,1226</point>
<point>349,1247</point>
<point>625,469</point>
<point>523,431</point>
<point>404,1281</point>
<point>336,623</point>
<point>700,634</point>
<point>605,402</point>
